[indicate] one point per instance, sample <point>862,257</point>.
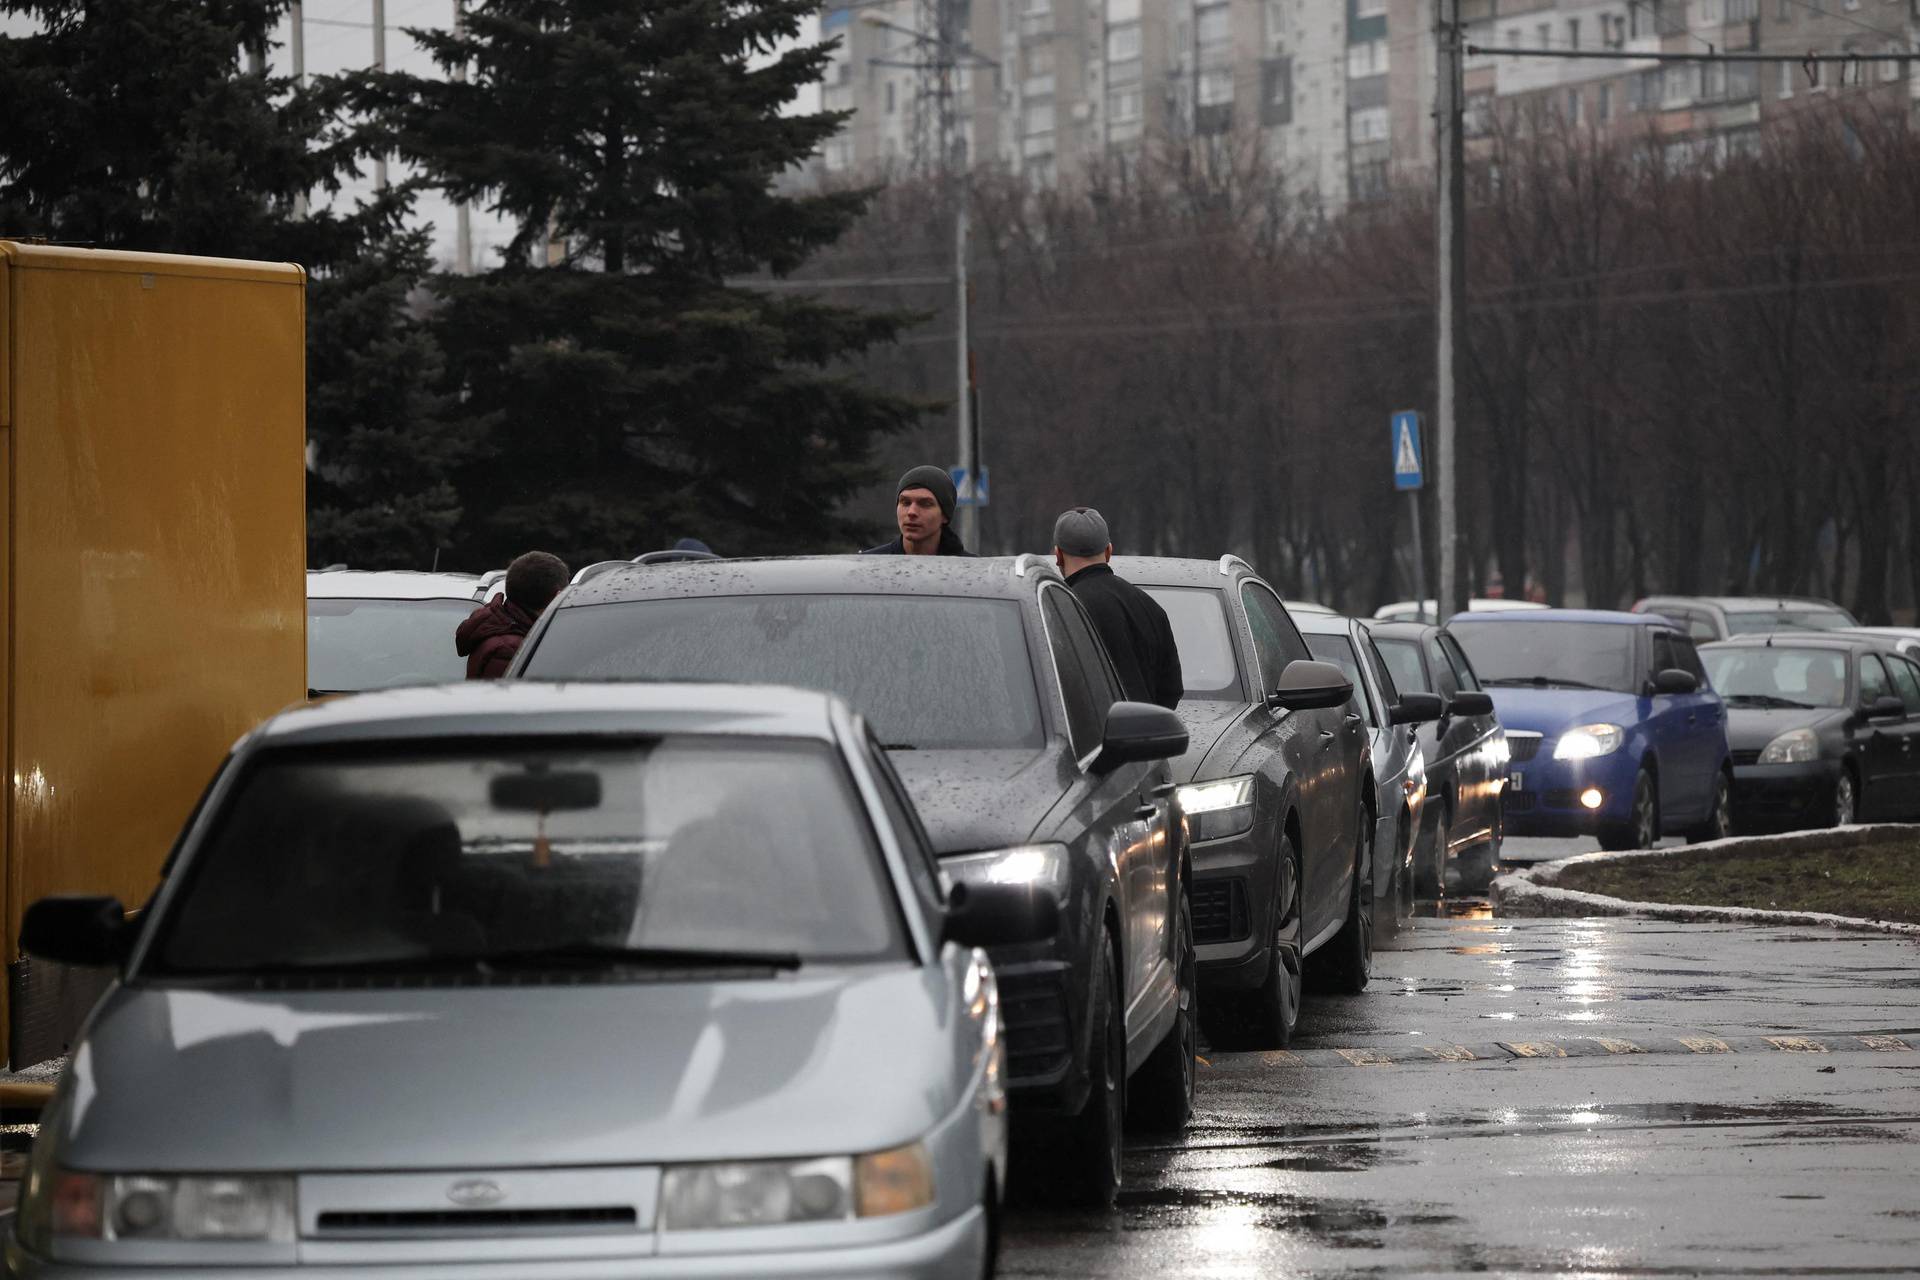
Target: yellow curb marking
<point>1450,1052</point>
<point>1202,1061</point>
<point>1885,1044</point>
<point>1539,1049</point>
<point>1706,1044</point>
<point>1796,1044</point>
<point>1365,1057</point>
<point>1618,1046</point>
<point>1281,1058</point>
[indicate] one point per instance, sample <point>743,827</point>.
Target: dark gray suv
<point>1000,710</point>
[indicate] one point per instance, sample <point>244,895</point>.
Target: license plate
<point>1517,780</point>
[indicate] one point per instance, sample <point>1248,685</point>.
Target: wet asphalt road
<point>1734,1101</point>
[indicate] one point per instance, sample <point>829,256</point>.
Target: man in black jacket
<point>1135,629</point>
<point>923,512</point>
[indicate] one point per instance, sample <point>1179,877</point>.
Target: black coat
<point>1136,632</point>
<point>950,545</point>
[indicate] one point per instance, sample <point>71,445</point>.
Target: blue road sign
<point>971,490</point>
<point>1407,471</point>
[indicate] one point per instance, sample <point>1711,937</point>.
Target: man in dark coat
<point>493,633</point>
<point>1135,630</point>
<point>923,512</point>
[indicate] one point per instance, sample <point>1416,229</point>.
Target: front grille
<point>1520,801</point>
<point>1749,756</point>
<point>1034,1006</point>
<point>1563,800</point>
<point>1220,910</point>
<point>1522,747</point>
<point>476,1220</point>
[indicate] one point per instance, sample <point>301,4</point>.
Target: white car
<point>376,629</point>
<point>1415,611</point>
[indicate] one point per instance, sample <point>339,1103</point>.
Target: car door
<point>1706,719</point>
<point>1123,815</point>
<point>1682,789</point>
<point>1906,678</point>
<point>1883,745</point>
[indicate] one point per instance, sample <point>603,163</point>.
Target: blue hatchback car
<point>1613,728</point>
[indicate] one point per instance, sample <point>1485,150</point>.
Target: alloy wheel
<point>1845,803</point>
<point>1643,813</point>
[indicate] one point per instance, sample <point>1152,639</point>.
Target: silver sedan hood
<point>838,1060</point>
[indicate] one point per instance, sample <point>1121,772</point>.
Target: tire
<point>1474,869</point>
<point>1844,808</point>
<point>1346,963</point>
<point>1090,1173</point>
<point>1265,1017</point>
<point>1160,1095</point>
<point>990,1204</point>
<point>1719,823</point>
<point>1642,827</point>
<point>1429,874</point>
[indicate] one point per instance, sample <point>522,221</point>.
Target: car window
<point>354,645</point>
<point>1388,690</point>
<point>1698,625</point>
<point>1209,660</point>
<point>1774,677</point>
<point>1083,719</point>
<point>1462,669</point>
<point>1687,655</point>
<point>1874,683</point>
<point>905,820</point>
<point>1445,683</point>
<point>1102,679</point>
<point>1276,641</point>
<point>1906,677</point>
<point>1339,651</point>
<point>1403,664</point>
<point>1663,655</point>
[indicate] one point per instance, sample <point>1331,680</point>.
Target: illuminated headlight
<point>87,1206</point>
<point>1588,741</point>
<point>763,1193</point>
<point>1045,864</point>
<point>1795,746</point>
<point>1218,809</point>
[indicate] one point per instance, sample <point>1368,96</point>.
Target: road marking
<point>1365,1057</point>
<point>1796,1044</point>
<point>1535,1049</point>
<point>1451,1052</point>
<point>1281,1058</point>
<point>1885,1044</point>
<point>1618,1046</point>
<point>1706,1044</point>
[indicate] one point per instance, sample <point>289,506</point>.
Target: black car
<point>1278,795</point>
<point>1824,730</point>
<point>1001,712</point>
<point>1465,752</point>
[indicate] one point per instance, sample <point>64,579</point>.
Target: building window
<point>1038,60</point>
<point>1038,118</point>
<point>1891,71</point>
<point>1368,58</point>
<point>1214,26</point>
<point>1709,12</point>
<point>1545,32</point>
<point>1216,86</point>
<point>1513,37</point>
<point>1123,11</point>
<point>1743,81</point>
<point>1123,106</point>
<point>1742,10</point>
<point>1713,81</point>
<point>1576,108</point>
<point>1573,33</point>
<point>1785,87</point>
<point>1679,85</point>
<point>1123,43</point>
<point>1276,91</point>
<point>1369,125</point>
<point>1370,8</point>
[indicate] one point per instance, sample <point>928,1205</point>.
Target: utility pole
<point>380,64</point>
<point>297,48</point>
<point>954,147</point>
<point>1450,295</point>
<point>462,214</point>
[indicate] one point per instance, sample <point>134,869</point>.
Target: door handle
<point>1326,737</point>
<point>1352,719</point>
<point>1146,813</point>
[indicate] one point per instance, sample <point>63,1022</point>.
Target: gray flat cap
<point>1081,532</point>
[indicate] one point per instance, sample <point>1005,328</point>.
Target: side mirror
<point>1469,703</point>
<point>76,929</point>
<point>1000,915</point>
<point>1308,686</point>
<point>1418,708</point>
<point>1674,680</point>
<point>1139,731</point>
<point>1886,707</point>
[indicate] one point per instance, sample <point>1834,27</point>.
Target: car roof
<point>390,584</point>
<point>1181,571</point>
<point>533,707</point>
<point>1505,617</point>
<point>1747,602</point>
<point>999,577</point>
<point>1804,640</point>
<point>1323,624</point>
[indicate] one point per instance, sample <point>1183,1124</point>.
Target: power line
<point>1614,55</point>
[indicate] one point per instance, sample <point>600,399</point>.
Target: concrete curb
<point>1533,891</point>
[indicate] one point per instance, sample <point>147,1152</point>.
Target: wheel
<point>1642,826</point>
<point>1091,1152</point>
<point>1346,963</point>
<point>1265,1017</point>
<point>1429,873</point>
<point>1846,798</point>
<point>990,1206</point>
<point>1719,823</point>
<point>1160,1095</point>
<point>1474,869</point>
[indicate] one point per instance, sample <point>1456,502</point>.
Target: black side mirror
<point>1418,708</point>
<point>1886,707</point>
<point>1000,915</point>
<point>78,929</point>
<point>1309,686</point>
<point>1139,731</point>
<point>1470,703</point>
<point>1674,680</point>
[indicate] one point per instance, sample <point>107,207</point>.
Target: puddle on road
<point>1452,909</point>
<point>1346,1224</point>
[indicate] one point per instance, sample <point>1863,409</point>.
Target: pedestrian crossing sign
<point>970,488</point>
<point>1407,471</point>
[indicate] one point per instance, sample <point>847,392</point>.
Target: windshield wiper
<point>588,954</point>
<point>1543,682</point>
<point>898,746</point>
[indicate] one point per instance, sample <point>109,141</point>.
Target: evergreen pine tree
<point>631,395</point>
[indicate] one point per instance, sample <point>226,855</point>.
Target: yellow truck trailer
<point>152,556</point>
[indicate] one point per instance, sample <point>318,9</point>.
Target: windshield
<point>1576,655</point>
<point>926,671</point>
<point>1772,677</point>
<point>441,860</point>
<point>376,644</point>
<point>1339,651</point>
<point>1207,661</point>
<point>1739,624</point>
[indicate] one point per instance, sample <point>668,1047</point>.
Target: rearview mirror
<point>1674,680</point>
<point>1000,915</point>
<point>1140,731</point>
<point>1470,703</point>
<point>1886,707</point>
<point>1418,708</point>
<point>545,791</point>
<point>77,929</point>
<point>1306,685</point>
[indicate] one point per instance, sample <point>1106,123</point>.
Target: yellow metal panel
<point>158,593</point>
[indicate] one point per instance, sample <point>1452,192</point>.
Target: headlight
<point>760,1193</point>
<point>1588,741</point>
<point>88,1206</point>
<point>1795,746</point>
<point>1218,809</point>
<point>1023,864</point>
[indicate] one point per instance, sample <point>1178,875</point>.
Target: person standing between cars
<point>493,633</point>
<point>1135,629</point>
<point>923,511</point>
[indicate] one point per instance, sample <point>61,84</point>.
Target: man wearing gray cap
<point>1135,630</point>
<point>923,512</point>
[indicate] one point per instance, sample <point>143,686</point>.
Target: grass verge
<point>1873,882</point>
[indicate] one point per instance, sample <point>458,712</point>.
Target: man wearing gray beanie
<point>923,512</point>
<point>1134,628</point>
